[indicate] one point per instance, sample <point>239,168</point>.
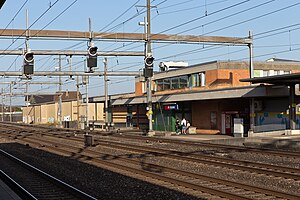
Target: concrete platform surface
<point>283,142</point>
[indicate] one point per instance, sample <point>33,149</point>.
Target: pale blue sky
<point>207,17</point>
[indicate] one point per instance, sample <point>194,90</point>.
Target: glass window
<point>202,79</point>
<point>194,80</point>
<point>265,72</point>
<point>166,84</point>
<point>174,83</point>
<point>213,120</point>
<point>183,81</point>
<point>159,85</point>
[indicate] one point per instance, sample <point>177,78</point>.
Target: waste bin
<point>88,140</point>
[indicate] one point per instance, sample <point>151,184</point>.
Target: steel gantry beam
<point>72,53</point>
<point>28,82</point>
<point>72,73</point>
<point>58,34</point>
<point>29,94</point>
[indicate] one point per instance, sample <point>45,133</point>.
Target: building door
<point>227,122</point>
<point>228,125</point>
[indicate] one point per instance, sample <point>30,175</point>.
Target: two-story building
<point>210,95</point>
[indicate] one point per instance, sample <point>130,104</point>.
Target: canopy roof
<point>285,79</point>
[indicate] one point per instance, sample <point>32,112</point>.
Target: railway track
<point>260,168</point>
<point>32,183</point>
<point>201,180</point>
<point>42,129</point>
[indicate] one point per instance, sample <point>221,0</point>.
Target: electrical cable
<point>14,16</point>
<point>119,16</point>
<point>201,17</point>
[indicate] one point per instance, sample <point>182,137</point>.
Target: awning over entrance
<point>287,79</point>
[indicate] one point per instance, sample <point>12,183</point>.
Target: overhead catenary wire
<point>14,17</point>
<point>255,37</point>
<point>188,9</point>
<point>198,18</point>
<point>33,23</point>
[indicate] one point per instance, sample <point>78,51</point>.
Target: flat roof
<point>224,93</point>
<point>285,79</point>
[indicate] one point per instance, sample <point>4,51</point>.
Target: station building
<point>211,96</point>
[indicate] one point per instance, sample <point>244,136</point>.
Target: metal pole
<point>27,31</point>
<point>60,95</point>
<point>251,54</point>
<point>77,95</point>
<point>252,117</point>
<point>87,103</point>
<point>149,52</point>
<point>106,93</point>
<point>149,80</point>
<point>10,110</point>
<point>292,108</point>
<point>2,105</point>
<point>27,103</point>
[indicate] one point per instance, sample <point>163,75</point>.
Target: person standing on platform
<point>188,124</point>
<point>183,126</point>
<point>177,127</point>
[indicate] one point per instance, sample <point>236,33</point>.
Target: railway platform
<point>6,193</point>
<point>287,142</point>
<point>273,140</point>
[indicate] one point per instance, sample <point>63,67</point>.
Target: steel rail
<point>17,188</point>
<point>68,188</point>
<point>91,153</point>
<point>138,171</point>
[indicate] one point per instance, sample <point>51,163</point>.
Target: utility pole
<point>77,95</point>
<point>106,93</point>
<point>252,109</point>
<point>27,103</point>
<point>149,79</point>
<point>10,110</point>
<point>87,102</point>
<point>60,95</point>
<point>2,97</point>
<point>251,54</point>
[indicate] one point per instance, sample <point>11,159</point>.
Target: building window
<point>213,120</point>
<point>167,84</point>
<point>174,83</point>
<point>194,80</point>
<point>159,85</point>
<point>265,72</point>
<point>202,79</point>
<point>183,82</point>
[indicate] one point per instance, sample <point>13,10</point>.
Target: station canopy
<point>285,79</point>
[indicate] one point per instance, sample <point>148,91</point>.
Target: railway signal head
<point>148,70</point>
<point>149,61</point>
<point>92,58</point>
<point>28,63</point>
